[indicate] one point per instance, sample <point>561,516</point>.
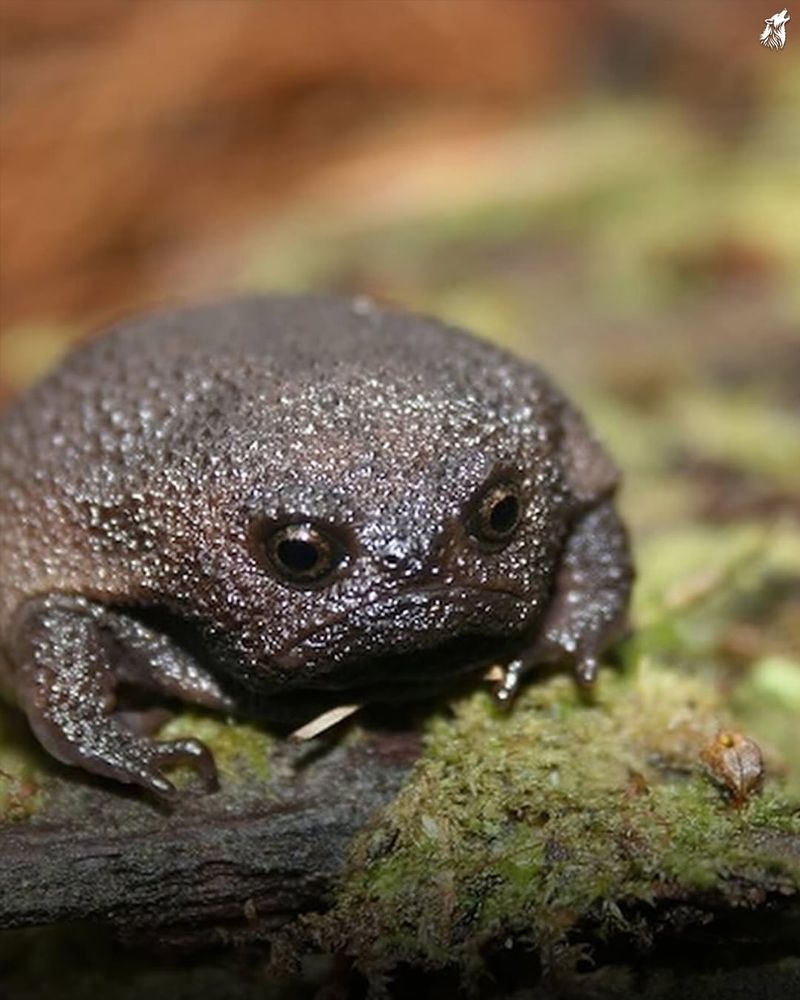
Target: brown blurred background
<point>146,147</point>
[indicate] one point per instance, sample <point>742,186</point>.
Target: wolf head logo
<point>774,35</point>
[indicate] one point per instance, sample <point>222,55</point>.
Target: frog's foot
<point>588,608</point>
<point>142,762</point>
<point>67,687</point>
<point>507,686</point>
<point>77,730</point>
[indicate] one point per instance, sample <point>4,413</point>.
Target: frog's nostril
<point>394,553</point>
<point>401,557</point>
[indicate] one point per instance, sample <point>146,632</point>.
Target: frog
<point>272,504</point>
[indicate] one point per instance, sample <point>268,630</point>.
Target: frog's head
<point>381,527</point>
<point>380,535</point>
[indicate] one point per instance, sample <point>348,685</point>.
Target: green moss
<point>240,749</point>
<point>20,795</point>
<point>529,821</point>
<point>22,775</point>
<point>697,582</point>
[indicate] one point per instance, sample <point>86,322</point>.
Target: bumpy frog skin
<point>274,505</point>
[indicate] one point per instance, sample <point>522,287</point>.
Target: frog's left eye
<point>496,514</point>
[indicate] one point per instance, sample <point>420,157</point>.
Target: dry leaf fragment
<point>736,762</point>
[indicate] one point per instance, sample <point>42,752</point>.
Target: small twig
<point>322,722</point>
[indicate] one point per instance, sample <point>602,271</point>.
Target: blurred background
<point>563,174</point>
<point>609,186</point>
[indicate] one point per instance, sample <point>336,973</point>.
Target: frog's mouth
<point>408,646</point>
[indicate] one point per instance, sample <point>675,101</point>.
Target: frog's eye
<point>303,554</point>
<point>496,514</point>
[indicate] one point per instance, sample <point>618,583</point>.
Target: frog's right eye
<point>303,554</point>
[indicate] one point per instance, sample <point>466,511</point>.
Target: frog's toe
<point>154,781</point>
<point>585,670</point>
<point>507,686</point>
<point>185,751</point>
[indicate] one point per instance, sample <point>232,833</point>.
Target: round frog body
<point>279,504</point>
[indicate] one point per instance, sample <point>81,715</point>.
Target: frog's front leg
<point>588,609</point>
<point>65,655</point>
